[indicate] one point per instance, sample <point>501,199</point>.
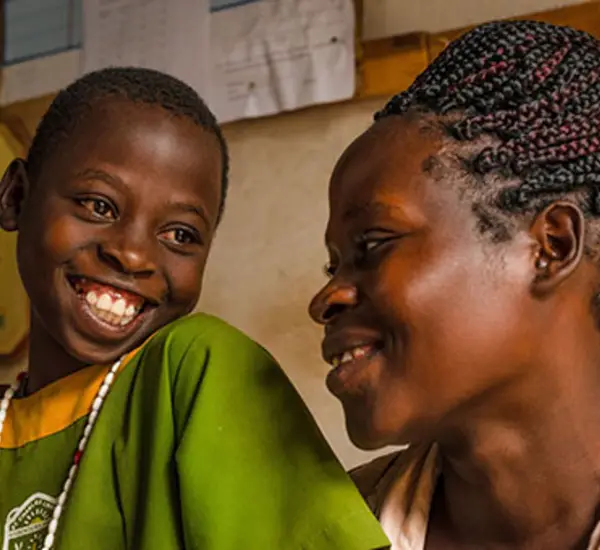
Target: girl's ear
<point>14,188</point>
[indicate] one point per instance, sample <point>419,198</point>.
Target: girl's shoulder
<point>202,336</point>
<point>203,349</point>
<point>202,327</point>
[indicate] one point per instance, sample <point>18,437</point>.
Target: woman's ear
<point>14,188</point>
<point>559,231</point>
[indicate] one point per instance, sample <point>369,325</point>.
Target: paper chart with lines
<point>247,58</point>
<point>270,56</point>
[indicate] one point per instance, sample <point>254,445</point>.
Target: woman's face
<point>425,318</point>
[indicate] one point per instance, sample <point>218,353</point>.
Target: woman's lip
<point>346,377</point>
<point>354,353</point>
<point>335,344</point>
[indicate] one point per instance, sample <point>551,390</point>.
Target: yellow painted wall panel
<point>14,308</point>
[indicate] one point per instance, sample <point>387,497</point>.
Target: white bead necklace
<point>83,441</point>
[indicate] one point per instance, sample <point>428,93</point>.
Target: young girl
<point>462,313</point>
<point>136,427</point>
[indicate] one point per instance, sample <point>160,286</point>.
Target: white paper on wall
<point>247,58</point>
<point>270,56</point>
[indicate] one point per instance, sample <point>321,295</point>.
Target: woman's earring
<point>541,262</point>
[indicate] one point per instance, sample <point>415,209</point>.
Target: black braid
<point>535,87</point>
<point>132,83</point>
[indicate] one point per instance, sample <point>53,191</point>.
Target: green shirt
<point>202,443</point>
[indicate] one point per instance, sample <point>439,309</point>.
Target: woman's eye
<point>372,244</point>
<point>180,236</point>
<point>329,270</point>
<point>368,245</point>
<point>99,208</point>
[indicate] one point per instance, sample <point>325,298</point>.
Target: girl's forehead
<point>137,151</point>
<point>117,128</point>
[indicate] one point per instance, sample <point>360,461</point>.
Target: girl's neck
<point>48,361</point>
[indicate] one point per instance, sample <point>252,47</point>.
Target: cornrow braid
<point>535,88</point>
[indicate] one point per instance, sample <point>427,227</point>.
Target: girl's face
<point>424,316</point>
<point>115,234</point>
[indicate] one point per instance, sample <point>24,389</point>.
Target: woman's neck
<point>48,361</point>
<point>528,477</point>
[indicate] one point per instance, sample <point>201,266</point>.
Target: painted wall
<point>13,300</point>
<point>397,17</point>
<point>268,257</point>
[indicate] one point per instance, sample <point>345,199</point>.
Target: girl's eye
<point>99,208</point>
<point>180,236</point>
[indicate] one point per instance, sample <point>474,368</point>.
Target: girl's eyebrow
<point>102,175</point>
<point>194,209</point>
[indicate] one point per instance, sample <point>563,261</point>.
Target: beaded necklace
<point>83,441</point>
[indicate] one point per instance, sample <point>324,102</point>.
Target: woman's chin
<point>366,437</point>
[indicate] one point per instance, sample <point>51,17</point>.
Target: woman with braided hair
<point>462,311</point>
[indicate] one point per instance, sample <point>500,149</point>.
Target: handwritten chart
<point>247,58</point>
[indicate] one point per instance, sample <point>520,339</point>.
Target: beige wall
<point>13,300</point>
<point>397,17</point>
<point>268,257</point>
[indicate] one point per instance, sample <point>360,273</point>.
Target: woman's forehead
<point>392,154</point>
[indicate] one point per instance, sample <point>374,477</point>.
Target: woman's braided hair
<point>535,88</point>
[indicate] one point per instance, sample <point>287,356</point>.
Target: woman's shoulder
<point>374,479</point>
<point>367,476</point>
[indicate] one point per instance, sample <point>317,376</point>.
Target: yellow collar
<point>55,407</point>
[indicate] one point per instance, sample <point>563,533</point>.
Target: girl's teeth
<point>103,314</point>
<point>359,353</point>
<point>104,303</point>
<point>347,357</point>
<point>118,308</point>
<point>116,312</point>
